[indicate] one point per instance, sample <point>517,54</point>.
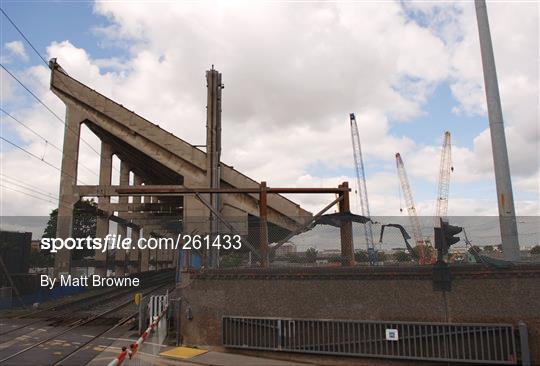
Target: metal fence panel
<point>448,342</point>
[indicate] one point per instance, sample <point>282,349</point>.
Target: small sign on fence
<point>392,335</point>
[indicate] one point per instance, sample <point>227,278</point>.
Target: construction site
<point>199,264</point>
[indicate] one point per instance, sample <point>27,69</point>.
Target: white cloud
<point>16,49</point>
<point>292,73</point>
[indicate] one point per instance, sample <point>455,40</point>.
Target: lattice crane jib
<point>441,210</point>
<point>361,181</point>
<point>409,201</point>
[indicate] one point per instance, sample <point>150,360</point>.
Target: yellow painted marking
<point>183,352</point>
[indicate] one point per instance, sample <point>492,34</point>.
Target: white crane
<point>411,209</point>
<point>441,209</point>
<point>361,182</point>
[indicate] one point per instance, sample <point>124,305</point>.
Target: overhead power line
<point>38,158</point>
<point>47,141</point>
<point>28,194</point>
<point>52,112</point>
<point>47,107</point>
<point>22,35</point>
<point>24,185</point>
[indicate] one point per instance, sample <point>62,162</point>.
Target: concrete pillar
<point>503,180</point>
<point>213,152</point>
<point>68,182</point>
<point>120,255</point>
<point>159,256</point>
<point>145,253</point>
<point>102,225</point>
<point>155,254</point>
<point>134,254</point>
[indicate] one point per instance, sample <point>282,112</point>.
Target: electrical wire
<point>28,194</point>
<point>22,35</point>
<point>48,108</point>
<point>40,159</point>
<point>47,141</point>
<point>53,113</point>
<point>23,186</point>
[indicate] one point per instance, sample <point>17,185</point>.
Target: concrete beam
<point>174,153</point>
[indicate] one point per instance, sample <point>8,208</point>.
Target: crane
<point>361,184</point>
<point>441,209</point>
<point>409,201</point>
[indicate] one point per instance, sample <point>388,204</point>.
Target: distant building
<point>15,250</point>
<point>287,248</point>
<point>330,253</point>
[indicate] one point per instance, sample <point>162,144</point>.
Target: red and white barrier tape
<point>134,347</point>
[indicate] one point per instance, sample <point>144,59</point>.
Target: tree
<point>488,248</point>
<point>381,256</point>
<point>232,260</point>
<point>361,256</point>
<point>311,255</point>
<point>535,249</point>
<point>401,256</point>
<point>84,225</point>
<point>39,259</point>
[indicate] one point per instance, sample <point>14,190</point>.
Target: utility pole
<point>507,214</point>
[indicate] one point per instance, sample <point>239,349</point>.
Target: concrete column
<point>145,253</point>
<point>213,151</point>
<point>120,255</point>
<point>503,181</point>
<point>134,254</point>
<point>102,225</point>
<point>155,254</point>
<point>68,182</point>
<point>161,257</point>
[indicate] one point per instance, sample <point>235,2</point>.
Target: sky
<point>293,71</point>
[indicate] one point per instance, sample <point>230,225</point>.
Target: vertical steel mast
<point>505,197</point>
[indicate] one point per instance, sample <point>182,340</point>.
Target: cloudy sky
<point>292,72</point>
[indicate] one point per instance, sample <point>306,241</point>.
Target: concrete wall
<point>478,295</point>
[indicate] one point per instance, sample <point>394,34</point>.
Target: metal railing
<point>448,342</point>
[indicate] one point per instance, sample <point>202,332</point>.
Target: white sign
<point>392,335</point>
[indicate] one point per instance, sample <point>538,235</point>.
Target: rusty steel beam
<point>347,247</point>
<point>137,207</point>
<point>170,190</point>
<point>263,225</point>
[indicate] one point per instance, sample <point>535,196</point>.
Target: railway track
<point>78,304</point>
<point>80,332</point>
<point>96,337</point>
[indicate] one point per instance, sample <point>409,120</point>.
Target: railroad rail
<point>92,321</point>
<point>85,302</point>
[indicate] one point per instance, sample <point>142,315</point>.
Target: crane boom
<point>361,182</point>
<point>441,210</point>
<point>409,201</point>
